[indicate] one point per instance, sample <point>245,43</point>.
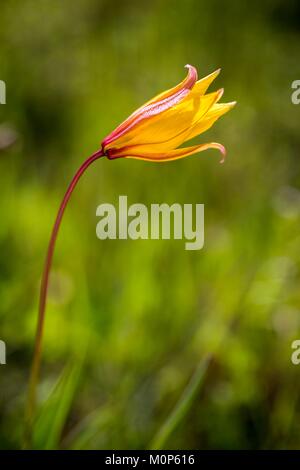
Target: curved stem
<point>36,362</point>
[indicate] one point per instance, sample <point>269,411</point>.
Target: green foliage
<point>52,417</point>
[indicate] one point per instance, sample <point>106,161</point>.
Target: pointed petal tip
<point>215,73</point>
<point>220,93</point>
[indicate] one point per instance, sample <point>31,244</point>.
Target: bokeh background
<point>146,344</point>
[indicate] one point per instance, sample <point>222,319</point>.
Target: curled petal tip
<point>223,152</point>
<point>192,72</point>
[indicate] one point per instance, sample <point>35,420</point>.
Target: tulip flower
<point>154,132</point>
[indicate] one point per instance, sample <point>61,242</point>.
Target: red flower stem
<point>36,362</point>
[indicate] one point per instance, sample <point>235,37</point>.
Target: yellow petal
<point>132,152</point>
<point>215,112</point>
<point>167,130</point>
<point>202,85</point>
<point>203,124</point>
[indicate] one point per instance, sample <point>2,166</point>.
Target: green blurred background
<point>146,344</point>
